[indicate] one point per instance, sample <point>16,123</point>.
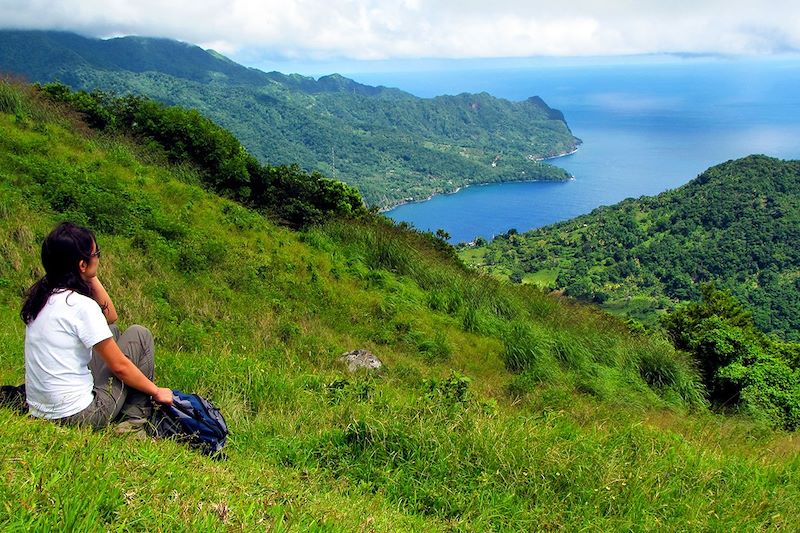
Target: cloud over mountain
<point>380,29</point>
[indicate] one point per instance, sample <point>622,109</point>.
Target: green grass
<point>500,408</point>
<point>644,309</point>
<point>472,255</point>
<point>541,278</point>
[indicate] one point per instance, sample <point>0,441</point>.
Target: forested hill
<point>390,144</point>
<point>737,224</point>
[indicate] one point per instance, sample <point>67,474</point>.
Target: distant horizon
<point>319,69</point>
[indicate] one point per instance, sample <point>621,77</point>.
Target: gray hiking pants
<point>113,399</point>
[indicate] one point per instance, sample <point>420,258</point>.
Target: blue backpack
<point>191,419</point>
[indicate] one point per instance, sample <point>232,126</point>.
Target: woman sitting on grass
<point>78,368</point>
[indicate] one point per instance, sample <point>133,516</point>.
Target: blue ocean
<point>647,125</point>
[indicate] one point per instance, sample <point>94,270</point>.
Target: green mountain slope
<point>500,407</point>
<point>391,145</point>
<point>737,224</point>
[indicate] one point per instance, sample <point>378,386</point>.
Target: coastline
<point>565,154</point>
<point>386,209</point>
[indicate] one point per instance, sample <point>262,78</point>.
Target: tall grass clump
<point>22,102</point>
<point>528,348</point>
<point>381,246</point>
<point>11,99</point>
<point>671,373</point>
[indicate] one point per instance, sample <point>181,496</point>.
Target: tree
<point>442,234</point>
<point>740,365</point>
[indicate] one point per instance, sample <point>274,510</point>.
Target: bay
<point>647,125</point>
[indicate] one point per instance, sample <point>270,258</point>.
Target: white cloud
<point>382,29</point>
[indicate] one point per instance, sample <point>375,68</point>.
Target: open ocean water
<point>647,126</point>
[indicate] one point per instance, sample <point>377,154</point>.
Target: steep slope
<point>737,224</point>
<point>390,144</point>
<point>500,408</point>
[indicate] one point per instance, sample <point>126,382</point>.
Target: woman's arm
<point>128,373</point>
<point>101,296</point>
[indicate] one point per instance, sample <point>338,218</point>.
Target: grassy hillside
<point>390,144</point>
<point>737,224</point>
<point>500,407</point>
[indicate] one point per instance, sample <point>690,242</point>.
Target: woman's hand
<point>163,396</point>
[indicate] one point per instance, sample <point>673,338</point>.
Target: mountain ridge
<point>390,144</point>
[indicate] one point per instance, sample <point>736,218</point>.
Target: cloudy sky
<point>320,30</point>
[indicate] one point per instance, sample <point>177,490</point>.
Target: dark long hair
<point>62,251</point>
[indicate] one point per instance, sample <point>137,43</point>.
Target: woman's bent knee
<point>138,345</point>
<point>140,331</point>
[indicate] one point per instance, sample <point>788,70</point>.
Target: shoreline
<point>460,187</point>
<point>565,154</point>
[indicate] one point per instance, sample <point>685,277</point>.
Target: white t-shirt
<point>58,348</point>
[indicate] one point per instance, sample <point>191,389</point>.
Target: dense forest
<point>737,225</point>
<point>389,144</point>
